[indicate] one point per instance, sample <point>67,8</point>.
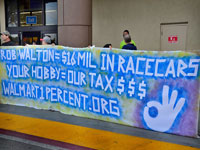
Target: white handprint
<point>166,112</point>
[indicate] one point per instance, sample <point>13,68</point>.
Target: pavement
<point>23,128</point>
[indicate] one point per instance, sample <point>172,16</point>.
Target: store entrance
<point>31,38</point>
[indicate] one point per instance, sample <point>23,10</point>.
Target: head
<point>108,46</point>
<point>126,32</point>
<point>127,38</point>
<point>46,40</point>
<point>5,36</point>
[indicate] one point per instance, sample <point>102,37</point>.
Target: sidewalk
<point>82,132</point>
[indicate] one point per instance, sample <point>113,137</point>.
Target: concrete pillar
<point>75,23</point>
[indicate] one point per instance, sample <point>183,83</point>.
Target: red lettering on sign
<point>172,39</point>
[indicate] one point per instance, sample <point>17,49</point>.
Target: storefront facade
<point>29,20</point>
<point>67,22</point>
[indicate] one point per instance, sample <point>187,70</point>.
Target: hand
<point>166,112</point>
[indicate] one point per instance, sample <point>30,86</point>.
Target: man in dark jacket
<point>129,45</point>
<point>5,36</point>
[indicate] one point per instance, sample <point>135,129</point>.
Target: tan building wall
<point>75,23</point>
<point>143,18</point>
<point>2,16</point>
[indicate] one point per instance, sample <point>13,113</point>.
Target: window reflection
<point>38,14</point>
<point>15,38</point>
<point>12,13</point>
<point>27,5</point>
<point>23,16</point>
<point>53,37</point>
<point>18,10</point>
<point>31,8</point>
<point>51,12</point>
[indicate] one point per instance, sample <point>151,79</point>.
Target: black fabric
<point>10,43</point>
<point>129,47</point>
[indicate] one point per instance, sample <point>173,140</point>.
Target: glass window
<point>15,38</point>
<point>38,15</point>
<point>31,8</point>
<point>53,37</point>
<point>45,12</point>
<point>30,37</point>
<point>23,16</point>
<point>51,12</point>
<point>27,5</point>
<point>12,15</point>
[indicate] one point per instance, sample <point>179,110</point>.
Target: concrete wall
<point>143,18</point>
<point>75,23</point>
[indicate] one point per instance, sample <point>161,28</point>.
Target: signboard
<point>31,19</point>
<point>173,39</point>
<point>147,89</point>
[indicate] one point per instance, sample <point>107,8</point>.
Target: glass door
<point>31,38</point>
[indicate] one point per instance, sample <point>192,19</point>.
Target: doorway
<point>173,36</point>
<point>30,37</point>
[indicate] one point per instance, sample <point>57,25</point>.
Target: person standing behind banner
<point>6,38</point>
<point>126,32</point>
<point>46,41</point>
<point>129,45</point>
<point>108,46</point>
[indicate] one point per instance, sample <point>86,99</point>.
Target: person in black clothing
<point>129,45</point>
<point>5,36</point>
